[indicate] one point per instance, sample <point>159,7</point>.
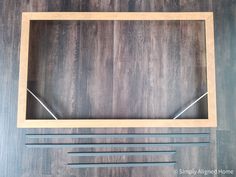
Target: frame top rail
<point>117,15</point>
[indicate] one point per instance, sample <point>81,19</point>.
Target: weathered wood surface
<point>17,160</point>
<point>121,69</point>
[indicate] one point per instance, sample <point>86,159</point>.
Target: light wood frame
<point>207,17</point>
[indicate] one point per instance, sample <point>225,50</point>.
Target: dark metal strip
<point>112,145</point>
<point>127,164</point>
<point>126,153</point>
<point>158,135</point>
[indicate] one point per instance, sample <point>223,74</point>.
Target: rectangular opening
<point>110,72</point>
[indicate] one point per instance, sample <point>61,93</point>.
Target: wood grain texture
<point>122,68</point>
<point>25,32</point>
<point>17,160</point>
<point>121,16</point>
<point>226,92</point>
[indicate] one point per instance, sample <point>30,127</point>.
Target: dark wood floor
<point>17,160</point>
<point>126,69</point>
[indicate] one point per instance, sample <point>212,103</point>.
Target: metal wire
<point>189,106</point>
<point>45,107</point>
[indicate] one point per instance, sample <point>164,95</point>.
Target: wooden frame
<point>207,17</point>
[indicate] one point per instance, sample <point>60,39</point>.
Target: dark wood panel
<point>17,160</point>
<point>148,69</point>
<point>225,28</point>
